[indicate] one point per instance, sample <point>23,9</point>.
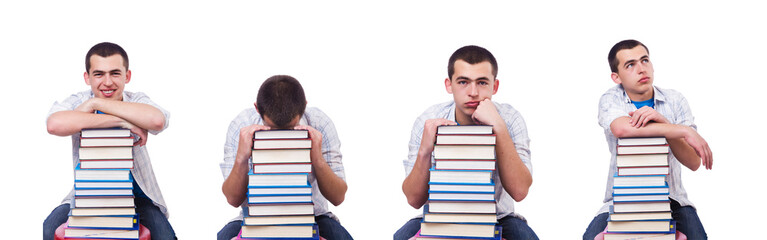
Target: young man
<point>106,72</point>
<point>636,108</point>
<point>281,104</point>
<point>472,72</point>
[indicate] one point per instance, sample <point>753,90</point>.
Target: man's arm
<point>416,184</point>
<point>235,186</point>
<point>686,144</point>
<point>515,177</point>
<point>142,115</point>
<point>332,187</point>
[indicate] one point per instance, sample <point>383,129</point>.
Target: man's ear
<point>616,78</point>
<point>127,76</point>
<point>87,78</point>
<point>495,86</point>
<point>448,87</point>
<point>255,104</point>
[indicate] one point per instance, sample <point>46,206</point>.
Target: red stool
<point>143,233</point>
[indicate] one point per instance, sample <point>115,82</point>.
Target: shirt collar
<point>657,95</point>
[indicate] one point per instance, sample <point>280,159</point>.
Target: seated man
<point>472,72</point>
<point>106,72</point>
<point>637,108</point>
<point>281,104</point>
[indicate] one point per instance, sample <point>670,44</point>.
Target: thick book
<point>90,153</point>
<point>105,132</point>
<point>277,179</point>
<point>483,231</point>
<point>121,211</point>
<point>100,233</point>
<point>100,201</point>
<point>418,236</point>
<point>460,176</point>
<point>642,141</point>
<point>660,190</point>
<point>281,156</point>
<point>278,231</point>
<point>280,209</point>
<point>315,236</point>
<point>281,134</point>
<point>662,226</point>
<point>640,198</point>
<point>278,220</point>
<point>281,190</point>
<point>459,164</point>
<point>634,171</point>
<point>640,236</point>
<point>478,152</point>
<point>282,168</point>
<point>460,196</point>
<point>633,207</point>
<point>486,218</point>
<point>465,129</point>
<point>103,192</point>
<point>106,163</point>
<point>462,187</point>
<point>642,160</point>
<point>101,174</point>
<point>124,184</point>
<point>108,222</point>
<point>281,143</point>
<point>639,181</point>
<point>461,207</point>
<point>106,142</point>
<point>648,149</point>
<point>279,199</point>
<point>464,139</point>
<point>638,216</point>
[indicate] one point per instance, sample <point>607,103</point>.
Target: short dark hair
<point>612,58</point>
<point>281,98</point>
<point>105,49</point>
<point>472,55</point>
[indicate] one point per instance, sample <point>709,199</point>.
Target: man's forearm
<point>65,123</point>
<point>142,115</point>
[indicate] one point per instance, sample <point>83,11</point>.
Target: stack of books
<point>461,201</point>
<point>103,205</point>
<point>641,208</point>
<point>279,193</point>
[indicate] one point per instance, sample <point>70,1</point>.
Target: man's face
<point>470,84</point>
<point>107,77</point>
<point>635,72</point>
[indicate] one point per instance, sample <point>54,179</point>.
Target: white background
<point>373,68</point>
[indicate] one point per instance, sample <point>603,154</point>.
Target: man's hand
<point>642,116</point>
<point>316,136</point>
<point>486,113</point>
<point>142,134</point>
<point>245,146</point>
<point>701,148</point>
<point>429,136</point>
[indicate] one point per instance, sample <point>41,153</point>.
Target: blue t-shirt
<point>640,104</point>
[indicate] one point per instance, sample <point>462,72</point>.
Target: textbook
<point>109,222</point>
<point>101,174</point>
<point>279,220</point>
<point>638,216</point>
<point>633,171</point>
<point>462,187</point>
<point>486,152</point>
<point>281,156</point>
<point>280,190</point>
<point>649,149</point>
<point>282,143</point>
<point>281,134</point>
<point>487,218</point>
<point>278,231</point>
<point>639,141</point>
<point>661,190</point>
<point>631,207</point>
<point>105,132</point>
<point>282,168</point>
<point>640,236</point>
<point>100,233</point>
<point>662,226</point>
<point>639,181</point>
<point>458,164</point>
<point>461,196</point>
<point>89,153</point>
<point>640,198</point>
<point>277,179</point>
<point>121,211</point>
<point>486,231</point>
<point>642,160</point>
<point>100,201</point>
<point>280,209</point>
<point>103,192</point>
<point>315,236</point>
<point>127,184</point>
<point>106,142</point>
<point>97,164</point>
<point>461,207</point>
<point>418,236</point>
<point>465,129</point>
<point>260,199</point>
<point>465,139</point>
<point>460,176</point>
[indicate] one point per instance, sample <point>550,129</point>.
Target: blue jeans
<point>686,218</point>
<point>513,229</point>
<point>149,215</point>
<point>329,228</point>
